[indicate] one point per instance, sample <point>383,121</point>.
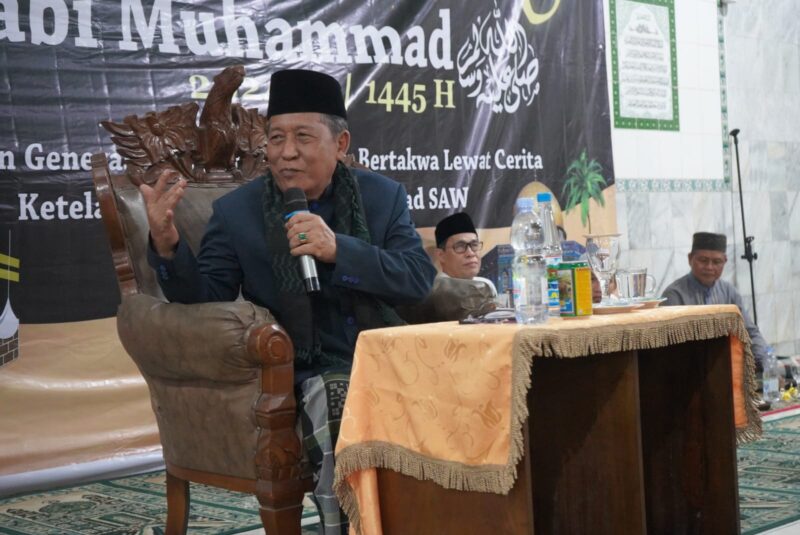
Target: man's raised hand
<point>160,201</point>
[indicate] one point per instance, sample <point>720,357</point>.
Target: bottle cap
<point>543,196</point>
<point>524,204</point>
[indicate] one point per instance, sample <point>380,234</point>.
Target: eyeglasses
<point>704,261</point>
<point>461,246</point>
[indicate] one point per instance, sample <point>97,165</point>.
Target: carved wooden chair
<point>220,374</point>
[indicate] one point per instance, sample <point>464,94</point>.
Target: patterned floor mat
<point>130,506</point>
<point>769,477</point>
<point>769,497</point>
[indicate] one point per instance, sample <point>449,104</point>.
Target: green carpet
<point>769,496</point>
<point>769,477</point>
<point>131,506</point>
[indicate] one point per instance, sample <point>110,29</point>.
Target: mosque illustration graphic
<point>9,323</point>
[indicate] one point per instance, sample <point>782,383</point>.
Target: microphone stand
<point>748,255</point>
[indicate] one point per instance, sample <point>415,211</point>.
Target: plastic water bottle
<point>530,271</point>
<point>770,377</point>
<point>551,250</point>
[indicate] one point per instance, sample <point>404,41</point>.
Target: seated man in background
<point>457,291</point>
<point>702,285</point>
<point>357,229</point>
<point>457,248</point>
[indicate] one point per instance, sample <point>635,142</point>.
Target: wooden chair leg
<point>177,505</point>
<point>283,520</point>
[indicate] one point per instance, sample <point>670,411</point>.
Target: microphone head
<point>734,132</point>
<point>294,200</point>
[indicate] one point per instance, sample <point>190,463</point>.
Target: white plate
<point>615,309</point>
<point>650,302</point>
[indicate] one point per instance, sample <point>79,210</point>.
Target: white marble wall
<point>658,228</point>
<point>762,46</point>
<point>762,51</point>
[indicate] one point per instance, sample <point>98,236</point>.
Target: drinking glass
<point>603,253</point>
<point>635,283</point>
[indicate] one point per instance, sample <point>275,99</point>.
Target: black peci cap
<point>300,91</point>
<point>709,241</point>
<point>453,224</point>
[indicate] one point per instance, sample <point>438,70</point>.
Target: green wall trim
<point>723,98</point>
<point>670,185</point>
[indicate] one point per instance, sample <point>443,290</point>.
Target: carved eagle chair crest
<point>220,375</point>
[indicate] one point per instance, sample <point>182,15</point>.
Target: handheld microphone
<point>294,201</point>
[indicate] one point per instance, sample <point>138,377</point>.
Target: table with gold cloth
<point>447,402</point>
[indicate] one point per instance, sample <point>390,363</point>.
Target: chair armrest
<point>450,299</point>
<point>226,367</point>
<point>227,342</point>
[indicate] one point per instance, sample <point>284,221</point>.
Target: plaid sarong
<point>320,401</point>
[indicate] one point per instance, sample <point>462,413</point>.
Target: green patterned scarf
<point>295,306</point>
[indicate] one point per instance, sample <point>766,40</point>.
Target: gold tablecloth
<point>446,402</point>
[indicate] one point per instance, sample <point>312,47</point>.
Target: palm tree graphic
<point>584,182</point>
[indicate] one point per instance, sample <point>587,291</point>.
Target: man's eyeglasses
<point>461,246</point>
<point>704,261</point>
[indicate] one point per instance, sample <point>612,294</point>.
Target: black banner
<point>465,103</point>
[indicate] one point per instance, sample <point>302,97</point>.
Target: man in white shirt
<point>458,247</point>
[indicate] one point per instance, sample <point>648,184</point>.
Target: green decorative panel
<point>670,185</point>
<point>644,64</point>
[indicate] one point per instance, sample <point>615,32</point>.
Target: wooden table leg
<point>688,438</point>
<point>586,445</point>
